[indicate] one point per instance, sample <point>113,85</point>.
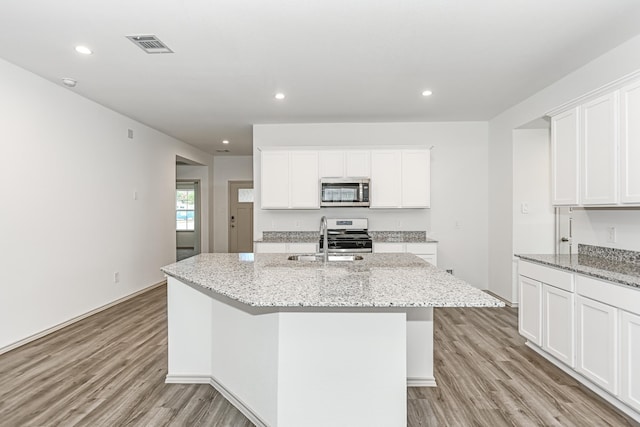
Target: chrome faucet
<point>325,239</point>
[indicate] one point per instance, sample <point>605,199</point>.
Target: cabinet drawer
<point>624,297</point>
<point>551,276</point>
<point>422,248</point>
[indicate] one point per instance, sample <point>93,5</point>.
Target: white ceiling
<point>336,60</point>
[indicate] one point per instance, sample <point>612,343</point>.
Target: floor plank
<point>109,370</point>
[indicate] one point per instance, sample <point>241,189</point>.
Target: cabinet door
<point>270,248</point>
<point>564,158</point>
<point>382,248</point>
<point>331,164</point>
<point>599,151</point>
<point>386,177</point>
<point>274,190</point>
<point>530,310</point>
<point>303,180</point>
<point>597,352</point>
<point>358,163</point>
<point>416,178</point>
<point>558,320</point>
<point>630,144</point>
<point>630,357</point>
<point>302,248</point>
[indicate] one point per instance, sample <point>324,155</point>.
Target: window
<point>245,195</point>
<point>185,209</point>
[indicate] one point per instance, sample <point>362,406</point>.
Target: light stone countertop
<point>624,273</point>
<point>380,280</point>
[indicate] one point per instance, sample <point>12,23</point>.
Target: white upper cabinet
<point>416,178</point>
<point>400,178</point>
<point>357,163</point>
<point>386,179</point>
<point>630,143</point>
<point>274,193</point>
<point>345,164</point>
<point>289,180</point>
<point>599,151</point>
<point>564,158</point>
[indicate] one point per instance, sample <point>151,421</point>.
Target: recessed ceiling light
<point>427,93</point>
<point>69,82</point>
<point>225,141</point>
<point>84,50</point>
<point>279,95</point>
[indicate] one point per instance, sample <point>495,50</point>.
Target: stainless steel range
<point>347,235</point>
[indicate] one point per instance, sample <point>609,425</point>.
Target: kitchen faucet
<point>325,239</point>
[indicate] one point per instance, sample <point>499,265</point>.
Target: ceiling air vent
<point>222,151</point>
<point>150,44</point>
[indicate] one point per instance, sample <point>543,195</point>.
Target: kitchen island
<point>299,343</point>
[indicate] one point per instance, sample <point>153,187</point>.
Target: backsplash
<point>612,254</point>
<point>398,236</point>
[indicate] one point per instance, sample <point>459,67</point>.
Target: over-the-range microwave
<point>344,192</point>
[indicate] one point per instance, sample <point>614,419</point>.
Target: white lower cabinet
<point>597,339</point>
<point>428,251</point>
<point>558,324</point>
<point>530,309</point>
<point>630,359</point>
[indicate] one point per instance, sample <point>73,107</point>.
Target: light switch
<point>524,207</point>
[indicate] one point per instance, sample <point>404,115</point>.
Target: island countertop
<point>379,280</point>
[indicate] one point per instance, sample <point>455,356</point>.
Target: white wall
<point>458,191</point>
<point>590,226</point>
<point>533,232</point>
<point>227,168</point>
<point>197,173</point>
<point>614,64</point>
<point>69,218</point>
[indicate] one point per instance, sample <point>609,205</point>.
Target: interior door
<point>240,216</point>
<point>564,230</point>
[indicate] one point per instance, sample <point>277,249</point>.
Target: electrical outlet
<point>116,277</point>
<point>135,195</point>
<point>458,225</point>
<point>611,234</point>
<point>524,207</point>
<point>130,133</point>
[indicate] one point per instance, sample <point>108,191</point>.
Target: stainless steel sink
<point>316,257</point>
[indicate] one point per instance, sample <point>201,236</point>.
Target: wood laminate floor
<point>109,370</point>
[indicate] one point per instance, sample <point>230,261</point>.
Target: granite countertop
<point>621,272</point>
<point>376,236</point>
<point>380,280</point>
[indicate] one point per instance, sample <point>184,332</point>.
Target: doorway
<point>240,216</point>
<point>187,219</point>
<point>564,230</point>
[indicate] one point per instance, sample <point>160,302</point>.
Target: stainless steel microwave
<point>344,192</point>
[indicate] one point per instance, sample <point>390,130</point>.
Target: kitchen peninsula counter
<point>292,343</point>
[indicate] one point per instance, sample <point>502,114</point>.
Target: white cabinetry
<point>558,324</point>
<point>564,158</point>
<point>630,143</point>
<point>530,309</point>
<point>428,251</point>
<point>630,359</point>
<point>597,333</point>
<point>284,248</point>
<point>345,164</point>
<point>289,180</point>
<point>599,151</point>
<point>400,178</point>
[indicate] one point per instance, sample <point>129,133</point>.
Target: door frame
<point>229,183</point>
<point>197,232</point>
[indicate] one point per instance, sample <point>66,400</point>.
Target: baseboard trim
<point>188,379</point>
<point>618,404</point>
<point>238,403</point>
<point>77,319</point>
<point>508,303</point>
<point>421,382</point>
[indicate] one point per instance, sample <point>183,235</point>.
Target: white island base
<point>292,367</point>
